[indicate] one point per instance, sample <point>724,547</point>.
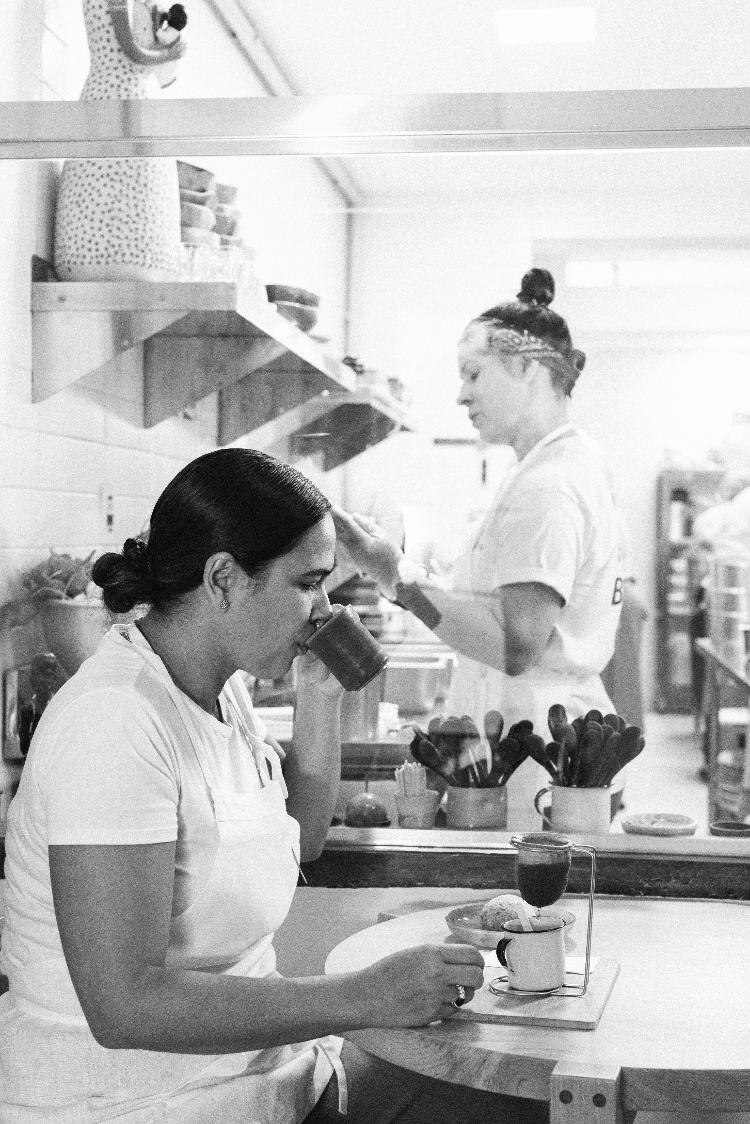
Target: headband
<point>512,342</point>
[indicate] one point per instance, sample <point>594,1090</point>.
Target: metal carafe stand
<point>544,860</point>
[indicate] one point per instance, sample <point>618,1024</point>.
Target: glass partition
<point>440,205</point>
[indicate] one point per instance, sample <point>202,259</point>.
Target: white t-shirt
<point>110,763</point>
<point>555,523</point>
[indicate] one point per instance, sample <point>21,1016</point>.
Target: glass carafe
<point>543,867</point>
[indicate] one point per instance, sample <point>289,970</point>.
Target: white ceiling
<point>411,46</point>
<point>416,46</point>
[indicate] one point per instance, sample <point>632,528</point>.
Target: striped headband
<point>512,342</point>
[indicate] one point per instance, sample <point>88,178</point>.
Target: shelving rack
<point>276,386</point>
<point>677,579</point>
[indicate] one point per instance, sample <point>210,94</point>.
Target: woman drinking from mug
<point>536,596</point>
<point>154,842</point>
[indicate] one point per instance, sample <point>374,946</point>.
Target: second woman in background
<point>535,599</point>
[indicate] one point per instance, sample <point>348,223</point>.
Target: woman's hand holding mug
<point>418,985</point>
<point>312,672</point>
<point>347,649</point>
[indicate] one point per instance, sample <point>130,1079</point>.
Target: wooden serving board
<point>572,1012</point>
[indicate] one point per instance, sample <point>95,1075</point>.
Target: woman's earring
<point>224,603</point>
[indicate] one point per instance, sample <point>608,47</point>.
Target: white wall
<point>60,459</point>
<point>417,280</point>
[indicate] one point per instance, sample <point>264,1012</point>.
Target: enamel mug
<point>535,961</point>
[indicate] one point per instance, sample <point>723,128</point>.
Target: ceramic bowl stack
<point>297,305</point>
<point>198,201</point>
<point>227,215</point>
<point>207,211</point>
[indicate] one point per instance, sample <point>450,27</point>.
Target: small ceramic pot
<point>477,808</point>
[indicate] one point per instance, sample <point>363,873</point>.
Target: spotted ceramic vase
<point>116,220</point>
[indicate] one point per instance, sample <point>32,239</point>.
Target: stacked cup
<point>728,605</point>
<point>416,804</point>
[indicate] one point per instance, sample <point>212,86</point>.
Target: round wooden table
<point>673,1035</point>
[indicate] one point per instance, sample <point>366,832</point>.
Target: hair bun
<point>537,287</point>
<point>177,17</point>
<point>135,553</point>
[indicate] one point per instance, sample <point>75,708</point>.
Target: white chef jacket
<point>552,521</point>
<point>122,756</point>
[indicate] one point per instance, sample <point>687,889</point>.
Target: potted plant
<point>60,591</point>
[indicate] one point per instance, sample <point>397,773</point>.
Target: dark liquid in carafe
<point>543,883</point>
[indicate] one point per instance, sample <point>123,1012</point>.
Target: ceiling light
<point>679,270</point>
<point>684,270</point>
<point>590,274</point>
<point>546,25</point>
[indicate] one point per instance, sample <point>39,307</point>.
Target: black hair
<point>530,312</point>
<point>239,500</point>
<point>177,17</point>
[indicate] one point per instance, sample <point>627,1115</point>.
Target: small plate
<point>463,922</point>
<point>730,829</point>
<point>659,823</point>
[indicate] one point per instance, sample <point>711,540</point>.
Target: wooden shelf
<point>338,426</point>
<point>196,337</point>
<point>276,386</point>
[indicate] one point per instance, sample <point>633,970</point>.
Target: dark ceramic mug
<point>348,650</point>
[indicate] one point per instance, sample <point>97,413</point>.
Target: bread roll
<point>495,912</point>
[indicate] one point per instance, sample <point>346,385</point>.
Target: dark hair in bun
<point>239,500</point>
<point>125,578</point>
<point>537,287</point>
<point>531,313</point>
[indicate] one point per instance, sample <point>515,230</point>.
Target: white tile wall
<point>62,458</point>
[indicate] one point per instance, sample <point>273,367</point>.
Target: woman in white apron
<point>534,601</point>
<point>154,843</point>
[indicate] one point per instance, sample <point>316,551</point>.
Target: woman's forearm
<point>507,629</point>
<point>471,627</point>
<point>312,770</point>
<point>178,1011</point>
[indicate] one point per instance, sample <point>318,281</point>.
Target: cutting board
<point>571,1012</point>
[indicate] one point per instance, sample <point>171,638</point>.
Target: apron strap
<point>46,1013</point>
<point>254,741</point>
<point>337,1066</point>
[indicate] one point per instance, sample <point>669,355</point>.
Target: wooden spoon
<point>536,749</point>
<point>423,751</point>
<point>512,754</point>
<point>589,753</point>
<point>493,727</point>
<point>556,717</point>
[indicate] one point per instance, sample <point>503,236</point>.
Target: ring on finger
<point>460,996</point>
